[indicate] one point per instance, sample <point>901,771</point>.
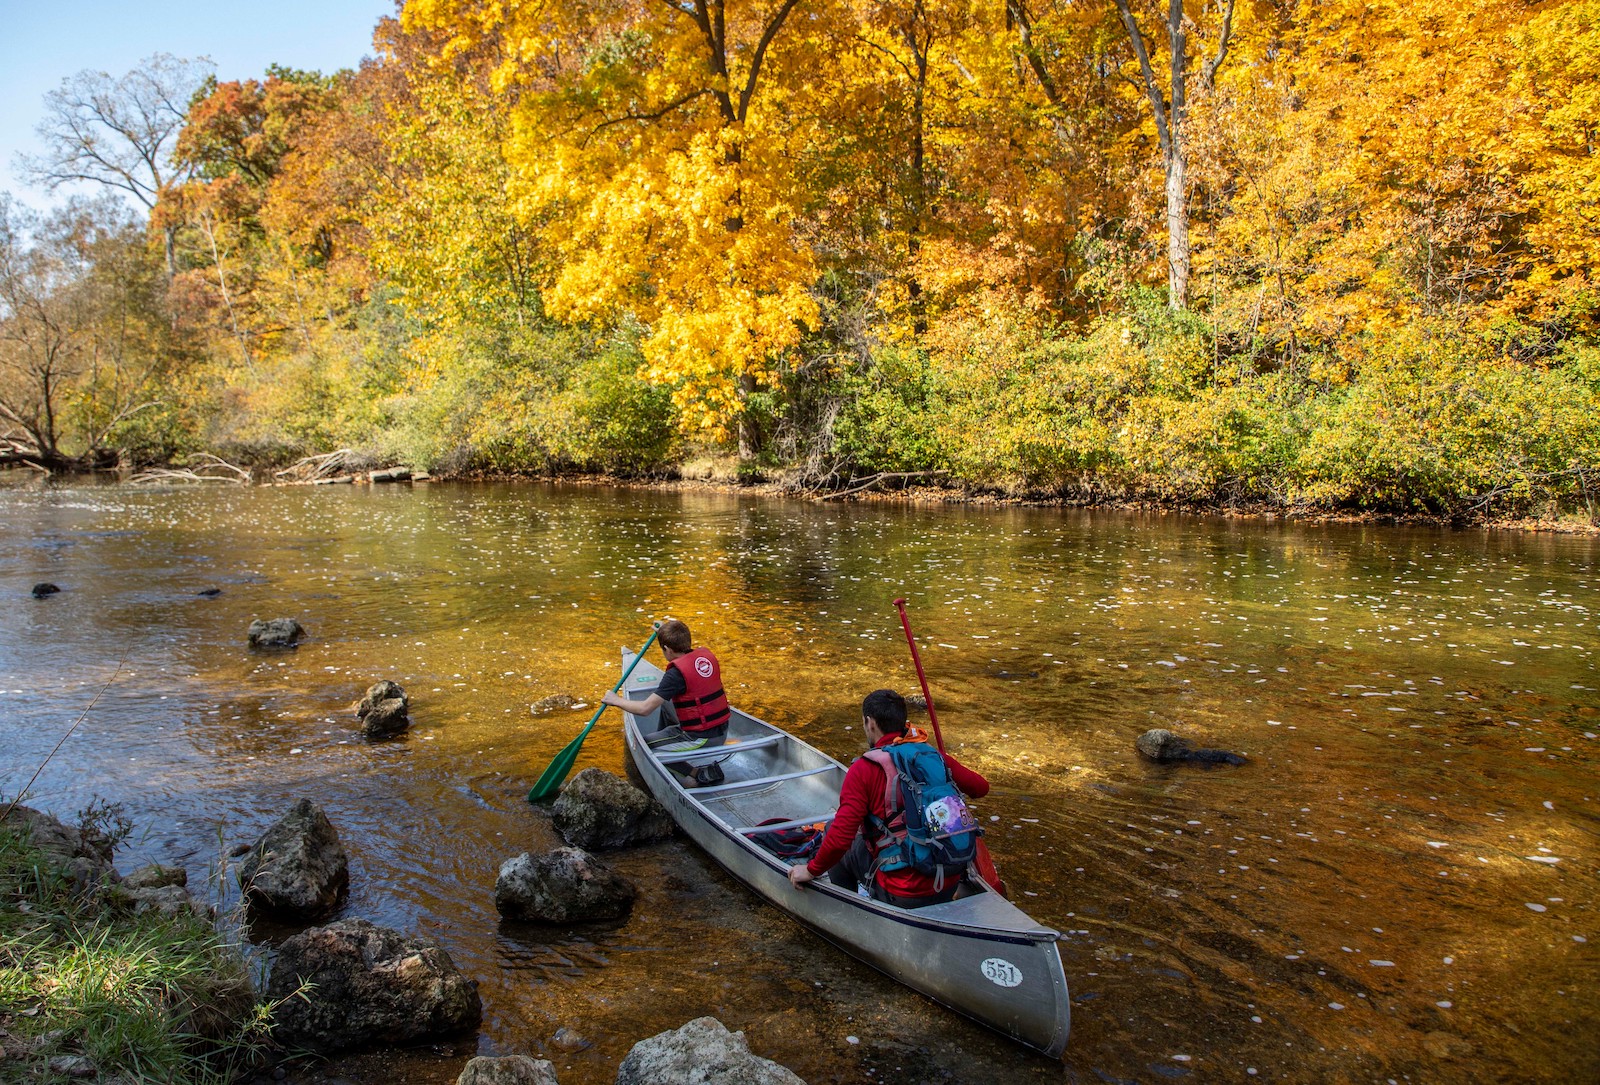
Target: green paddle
<point>550,782</point>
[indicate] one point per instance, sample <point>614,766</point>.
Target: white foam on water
<point>1536,907</point>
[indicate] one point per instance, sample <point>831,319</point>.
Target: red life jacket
<point>703,704</point>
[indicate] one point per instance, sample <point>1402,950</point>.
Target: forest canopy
<point>1306,255</point>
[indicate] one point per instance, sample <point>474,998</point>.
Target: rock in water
<point>381,691</point>
<point>298,867</point>
<point>598,809</point>
<point>703,1052</point>
<point>42,590</point>
<point>1160,744</point>
<point>368,986</point>
<point>383,711</point>
<point>277,633</point>
<point>507,1070</point>
<point>565,886</point>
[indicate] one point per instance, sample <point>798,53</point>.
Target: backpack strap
<point>891,780</point>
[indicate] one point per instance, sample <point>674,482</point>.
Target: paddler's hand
<point>611,699</point>
<point>799,875</point>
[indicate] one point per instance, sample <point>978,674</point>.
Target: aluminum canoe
<point>980,954</point>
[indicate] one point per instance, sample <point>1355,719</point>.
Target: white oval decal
<point>1001,973</point>
<point>702,667</point>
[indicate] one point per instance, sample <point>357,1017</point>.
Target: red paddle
<point>983,863</point>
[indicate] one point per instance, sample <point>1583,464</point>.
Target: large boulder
<point>565,886</point>
<point>352,984</point>
<point>298,868</point>
<point>598,809</point>
<point>1160,744</point>
<point>703,1052</point>
<point>277,633</point>
<point>383,710</point>
<point>507,1070</point>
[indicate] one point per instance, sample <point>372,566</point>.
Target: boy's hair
<point>888,708</point>
<point>675,635</point>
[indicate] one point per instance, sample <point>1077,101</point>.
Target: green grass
<point>149,998</point>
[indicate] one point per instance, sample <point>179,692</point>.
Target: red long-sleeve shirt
<point>861,794</point>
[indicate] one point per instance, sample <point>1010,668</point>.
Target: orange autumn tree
<point>655,145</point>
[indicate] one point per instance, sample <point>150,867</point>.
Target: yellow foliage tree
<point>655,146</point>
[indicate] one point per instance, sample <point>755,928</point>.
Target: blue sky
<point>44,41</point>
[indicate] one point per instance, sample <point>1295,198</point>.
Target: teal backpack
<point>929,828</point>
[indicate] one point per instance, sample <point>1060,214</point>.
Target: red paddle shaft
<point>900,605</point>
<point>984,861</point>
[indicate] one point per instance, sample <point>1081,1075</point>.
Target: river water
<point>1400,885</point>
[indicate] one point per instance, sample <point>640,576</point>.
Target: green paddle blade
<point>550,780</point>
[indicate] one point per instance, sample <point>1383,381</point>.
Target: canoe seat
<point>719,751</point>
<point>756,830</point>
<point>760,781</point>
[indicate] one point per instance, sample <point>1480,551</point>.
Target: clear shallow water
<point>1401,884</point>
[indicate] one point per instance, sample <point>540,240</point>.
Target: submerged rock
<point>156,876</point>
<point>565,886</point>
<point>353,984</point>
<point>507,1070</point>
<point>551,703</point>
<point>703,1052</point>
<point>298,867</point>
<point>383,711</point>
<point>598,809</point>
<point>42,590</point>
<point>277,633</point>
<point>1159,744</point>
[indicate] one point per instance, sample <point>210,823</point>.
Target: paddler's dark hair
<point>888,710</point>
<point>675,635</point>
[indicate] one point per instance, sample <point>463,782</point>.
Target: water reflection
<point>1402,882</point>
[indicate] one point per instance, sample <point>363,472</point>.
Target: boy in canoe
<point>694,707</point>
<point>867,840</point>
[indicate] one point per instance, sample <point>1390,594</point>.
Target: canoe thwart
<point>757,830</point>
<point>719,751</point>
<point>761,781</point>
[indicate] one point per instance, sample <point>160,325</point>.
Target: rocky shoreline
<point>348,986</point>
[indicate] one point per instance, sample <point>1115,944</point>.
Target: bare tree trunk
<point>1171,115</point>
<point>204,221</point>
<point>1177,224</point>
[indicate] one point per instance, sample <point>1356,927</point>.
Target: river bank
<point>721,474</point>
<point>722,478</point>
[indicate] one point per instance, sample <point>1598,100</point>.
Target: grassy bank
<point>92,989</point>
